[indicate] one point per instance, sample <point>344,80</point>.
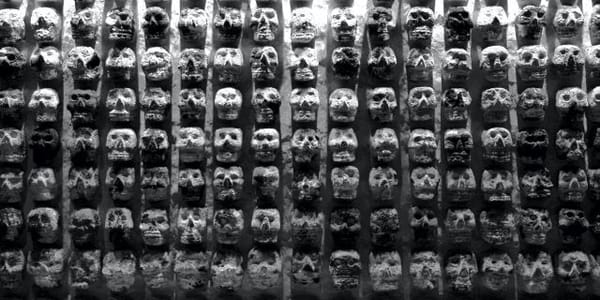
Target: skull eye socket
<point>527,14</point>
<point>580,96</point>
<point>575,52</point>
<point>527,56</point>
<point>563,51</point>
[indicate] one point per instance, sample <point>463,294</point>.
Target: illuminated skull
<point>345,62</point>
<point>228,144</point>
<point>345,182</point>
<point>419,25</point>
<point>419,64</point>
<point>532,63</point>
<point>573,269</point>
<point>154,227</point>
<point>458,144</point>
<point>422,145</point>
<point>382,103</point>
<point>228,103</point>
<point>84,63</point>
<point>530,23</point>
<point>84,25</point>
<point>460,184</point>
<point>227,64</point>
<point>12,63</point>
<point>155,23</point>
<point>497,185</point>
<point>191,225</point>
<point>156,268</point>
<point>568,24</point>
<point>266,181</point>
<point>83,183</point>
<point>11,185</point>
<point>425,270</point>
<point>42,184</point>
<point>12,264</point>
<point>571,103</point>
<point>155,183</point>
<point>460,224</point>
<point>121,63</point>
<point>228,183</point>
<point>121,104</point>
<point>44,104</point>
<point>265,24</point>
<point>384,144</point>
<point>192,104</point>
<point>497,270</point>
<point>343,144</point>
<point>568,60</point>
<point>193,64</point>
<point>12,26</point>
<point>228,225</point>
<point>12,104</point>
<point>121,24</point>
<point>456,104</point>
<point>11,225</point>
<point>191,184</point>
<point>385,269</point>
<point>343,24</point>
<point>305,104</point>
<point>306,187</point>
<point>422,102</point>
<point>572,224</point>
<point>424,224</point>
<point>495,62</point>
<point>380,23</point>
<point>119,224</point>
<point>120,182</point>
<point>345,225</point>
<point>226,270</point>
<point>424,183</point>
<point>154,103</point>
<point>303,63</point>
<point>536,184</point>
<point>42,223</point>
<point>154,145</point>
<point>305,145</point>
<point>46,267</point>
<point>497,227</point>
<point>535,225</point>
<point>265,143</point>
<point>228,23</point>
<point>535,272</point>
<point>12,145</point>
<point>497,144</point>
<point>46,24</point>
<point>266,103</point>
<point>192,24</point>
<point>382,181</point>
<point>265,225</point>
<point>303,27</point>
<point>190,144</point>
<point>532,104</point>
<point>264,268</point>
<point>461,269</point>
<point>156,64</point>
<point>344,267</point>
<point>496,104</point>
<point>492,22</point>
<point>570,144</point>
<point>343,105</point>
<point>83,106</point>
<point>572,184</point>
<point>456,65</point>
<point>263,63</point>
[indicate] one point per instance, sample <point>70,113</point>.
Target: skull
<point>460,184</point>
<point>228,225</point>
<point>154,145</point>
<point>572,224</point>
<point>497,185</point>
<point>424,224</point>
<point>228,64</point>
<point>266,102</point>
<point>303,63</point>
<point>456,104</point>
<point>532,145</point>
<point>191,184</point>
<point>121,103</point>
<point>265,225</point>
<point>120,182</point>
<point>155,183</point>
<point>497,227</point>
<point>497,144</point>
<point>535,225</point>
<point>571,103</point>
<point>191,225</point>
<point>573,270</point>
<point>385,224</point>
<point>532,104</point>
<point>344,267</point>
<point>306,187</point>
<point>193,64</point>
<point>345,62</point>
<point>384,144</point>
<point>382,62</point>
<point>303,26</point>
<point>12,104</point>
<point>190,143</point>
<point>192,24</point>
<point>492,22</point>
<point>42,184</point>
<point>532,63</point>
<point>307,228</point>
<point>530,23</point>
<point>84,25</point>
<point>12,26</point>
<point>191,269</point>
<point>154,103</point>
<point>46,267</point>
<point>570,144</point>
<point>593,112</point>
<point>568,60</point>
<point>12,264</point>
<point>83,183</point>
<point>47,62</point>
<point>12,63</point>
<point>536,184</point>
<point>156,269</point>
<point>264,269</point>
<point>594,184</point>
<point>83,105</point>
<point>382,181</point>
<point>121,24</point>
<point>572,184</point>
<point>263,63</point>
<point>119,224</point>
<point>424,183</point>
<point>44,143</point>
<point>228,24</point>
<point>306,267</point>
<point>46,24</point>
<point>44,104</point>
<point>421,103</point>
<point>192,104</point>
<point>461,269</point>
<point>419,64</point>
<point>121,63</point>
<point>425,270</point>
<point>305,104</point>
<point>43,225</point>
<point>460,224</point>
<point>154,226</point>
<point>456,65</point>
<point>305,145</point>
<point>343,24</point>
<point>155,23</point>
<point>380,22</point>
<point>422,146</point>
<point>84,226</point>
<point>12,145</point>
<point>11,185</point>
<point>11,225</point>
<point>458,27</point>
<point>84,63</point>
<point>343,105</point>
<point>265,24</point>
<point>385,269</point>
<point>156,64</point>
<point>497,270</point>
<point>345,225</point>
<point>568,24</point>
<point>495,62</point>
<point>228,102</point>
<point>228,144</point>
<point>458,144</point>
<point>265,143</point>
<point>382,103</point>
<point>419,25</point>
<point>266,181</point>
<point>345,182</point>
<point>343,144</point>
<point>228,183</point>
<point>226,270</point>
<point>594,26</point>
<point>535,272</point>
<point>118,268</point>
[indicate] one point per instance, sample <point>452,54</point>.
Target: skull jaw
<point>497,155</point>
<point>228,237</point>
<point>10,280</point>
<point>50,280</point>
<point>461,284</point>
<point>424,193</point>
<point>304,74</point>
<point>460,195</point>
<point>527,73</point>
<point>422,155</point>
<point>345,193</point>
<point>535,286</point>
<point>345,278</point>
<point>463,235</point>
<point>155,194</point>
<point>420,36</point>
<point>153,238</point>
<point>188,155</point>
<point>263,280</point>
<point>227,279</point>
<point>534,237</point>
<point>117,33</point>
<point>572,196</point>
<point>191,280</point>
<point>457,74</point>
<point>530,34</point>
<point>495,74</point>
<point>228,195</point>
<point>45,35</point>
<point>495,281</point>
<point>418,74</point>
<point>568,34</point>
<point>227,156</point>
<point>498,196</point>
<point>119,282</point>
<point>493,34</point>
<point>497,235</point>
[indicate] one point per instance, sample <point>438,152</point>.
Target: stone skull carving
<point>385,269</point>
<point>190,144</point>
<point>535,272</point>
<point>458,144</point>
<point>191,225</point>
<point>530,23</point>
<point>12,26</point>
<point>573,270</point>
<point>307,228</point>
<point>382,103</point>
<point>228,225</point>
<point>119,224</point>
<point>345,225</point>
<point>497,185</point>
<point>12,264</point>
<point>84,25</point>
<point>155,103</point>
<point>570,144</point>
<point>419,65</point>
<point>343,105</point>
<point>568,60</point>
<point>46,61</point>
<point>193,64</point>
<point>424,183</point>
<point>456,103</point>
<point>228,144</point>
<point>303,27</point>
<point>226,270</point>
<point>44,143</point>
<point>46,267</point>
<point>571,103</point>
<point>191,184</point>
<point>424,224</point>
<point>419,24</point>
<point>11,185</point>
<point>156,64</point>
<point>382,181</point>
<point>458,26</point>
<point>492,22</point>
<point>228,103</point>
<point>191,269</point>
<point>228,183</point>
<point>42,223</point>
<point>266,102</point>
<point>266,181</point>
<point>265,144</point>
<point>425,270</point>
<point>495,62</point>
<point>344,182</point>
<point>568,24</point>
<point>155,23</point>
<point>303,63</point>
<point>532,63</point>
<point>380,23</point>
<point>192,104</point>
<point>306,187</point>
<point>84,63</point>
<point>306,267</point>
<point>42,184</point>
<point>227,64</point>
<point>384,144</point>
<point>535,225</point>
<point>44,104</point>
<point>264,23</point>
<point>121,104</point>
<point>264,268</point>
<point>121,24</point>
<point>384,225</point>
<point>456,65</point>
<point>422,145</point>
<point>83,105</point>
<point>497,144</point>
<point>497,227</point>
<point>572,184</point>
<point>156,268</point>
<point>120,182</point>
<point>572,224</point>
<point>84,226</point>
<point>305,145</point>
<point>594,184</point>
<point>460,224</point>
<point>83,183</point>
<point>228,24</point>
<point>155,183</point>
<point>12,104</point>
<point>12,145</point>
<point>154,145</point>
<point>46,24</point>
<point>192,24</point>
<point>344,24</point>
<point>536,184</point>
<point>532,145</point>
<point>345,62</point>
<point>460,184</point>
<point>265,225</point>
<point>11,224</point>
<point>344,267</point>
<point>343,144</point>
<point>305,104</point>
<point>154,227</point>
<point>497,270</point>
<point>532,104</point>
<point>12,63</point>
<point>422,102</point>
<point>461,269</point>
<point>119,268</point>
<point>263,63</point>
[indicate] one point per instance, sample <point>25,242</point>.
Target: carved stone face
<point>570,144</point>
<point>191,184</point>
<point>535,225</point>
<point>190,143</point>
<point>307,227</point>
<point>424,182</point>
<point>228,225</point>
<point>228,144</point>
<point>306,187</point>
<point>425,270</point>
<point>492,23</point>
<point>83,106</point>
<point>303,64</point>
<point>456,65</point>
<point>120,182</point>
<point>46,61</point>
<point>155,23</point>
<point>497,144</point>
<point>265,24</point>
<point>568,24</point>
<point>530,23</point>
<point>380,22</point>
<point>192,24</point>
<point>11,185</point>
<point>43,224</point>
<point>12,63</point>
<point>496,104</point>
<point>44,104</point>
<point>343,105</point>
<point>118,268</point>
<point>497,269</point>
<point>345,182</point>
<point>266,102</point>
<point>345,62</point>
<point>344,266</point>
<point>263,63</point>
<point>191,225</point>
<point>422,146</point>
<point>343,144</point>
<point>382,181</point>
<point>532,104</point>
<point>304,29</point>
<point>573,269</point>
<point>46,267</point>
<point>12,145</point>
<point>571,103</point>
<point>532,63</point>
<point>382,104</point>
<point>343,24</point>
<point>306,267</point>
<point>572,184</point>
<point>120,22</point>
<point>84,25</point>
<point>191,269</point>
<point>12,26</point>
<point>83,183</point>
<point>497,185</point>
<point>155,183</point>
<point>419,64</point>
<point>568,60</point>
<point>42,184</point>
<point>46,24</point>
<point>421,103</point>
<point>458,27</point>
<point>156,269</point>
<point>154,226</point>
<point>156,64</point>
<point>461,269</point>
<point>264,268</point>
<point>192,104</point>
<point>384,144</point>
<point>12,264</point>
<point>305,104</point>
<point>423,223</point>
<point>226,270</point>
<point>305,144</point>
<point>456,104</point>
<point>497,227</point>
<point>536,184</point>
<point>495,63</point>
<point>385,269</point>
<point>11,224</point>
<point>419,24</point>
<point>535,272</point>
<point>266,181</point>
<point>228,183</point>
<point>460,224</point>
<point>119,223</point>
<point>44,143</point>
<point>572,223</point>
<point>228,24</point>
<point>458,144</point>
<point>228,103</point>
<point>594,26</point>
<point>84,226</point>
<point>265,225</point>
<point>345,225</point>
<point>154,145</point>
<point>12,103</point>
<point>385,224</point>
<point>121,103</point>
<point>265,144</point>
<point>460,184</point>
<point>84,63</point>
<point>193,64</point>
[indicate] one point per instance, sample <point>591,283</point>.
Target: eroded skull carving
<point>12,26</point>
<point>532,145</point>
<point>570,144</point>
<point>11,225</point>
<point>155,103</point>
<point>193,64</point>
<point>456,65</point>
<point>118,268</point>
<point>385,224</point>
<point>425,270</point>
<point>492,22</point>
<point>458,27</point>
<point>42,223</point>
<point>263,63</point>
<point>497,144</point>
<point>568,60</point>
<point>306,267</point>
<point>121,24</point>
<point>191,184</point>
<point>83,106</point>
<point>155,23</point>
<point>419,64</point>
<point>46,267</point>
<point>384,144</point>
<point>306,187</point>
<point>571,103</point>
<point>228,225</point>
<point>42,184</point>
<point>535,225</point>
<point>119,224</point>
<point>11,185</point>
<point>12,264</point>
<point>497,227</point>
<point>344,267</point>
<point>84,226</point>
<point>46,24</point>
<point>191,269</point>
<point>456,103</point>
<point>343,105</point>
<point>573,269</point>
<point>303,63</point>
<point>572,223</point>
<point>304,29</point>
<point>305,104</point>
<point>530,23</point>
<point>497,270</point>
<point>385,269</point>
<point>572,184</point>
<point>228,64</point>
<point>382,103</point>
<point>156,268</point>
<point>120,182</point>
<point>84,25</point>
<point>345,225</point>
<point>44,143</point>
<point>495,62</point>
<point>497,185</point>
<point>226,270</point>
<point>424,224</point>
<point>460,184</point>
<point>192,104</point>
<point>191,225</point>
<point>422,102</point>
<point>532,63</point>
<point>343,144</point>
<point>382,181</point>
<point>460,224</point>
<point>12,145</point>
<point>307,228</point>
<point>12,104</point>
<point>422,145</point>
<point>154,145</point>
<point>264,268</point>
<point>458,144</point>
<point>266,181</point>
<point>84,63</point>
<point>228,144</point>
<point>155,183</point>
<point>12,63</point>
<point>305,145</point>
<point>83,183</point>
<point>424,183</point>
<point>266,102</point>
<point>594,184</point>
<point>228,183</point>
<point>265,225</point>
<point>265,24</point>
<point>345,62</point>
<point>190,144</point>
<point>192,24</point>
<point>461,269</point>
<point>380,23</point>
<point>343,24</point>
<point>121,104</point>
<point>536,184</point>
<point>44,104</point>
<point>228,103</point>
<point>156,64</point>
<point>535,272</point>
<point>419,24</point>
<point>154,227</point>
<point>532,104</point>
<point>344,182</point>
<point>265,144</point>
<point>228,24</point>
<point>568,24</point>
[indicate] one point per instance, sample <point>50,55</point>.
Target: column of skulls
<point>13,152</point>
<point>191,264</point>
<point>83,184</point>
<point>118,136</point>
<point>47,258</point>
